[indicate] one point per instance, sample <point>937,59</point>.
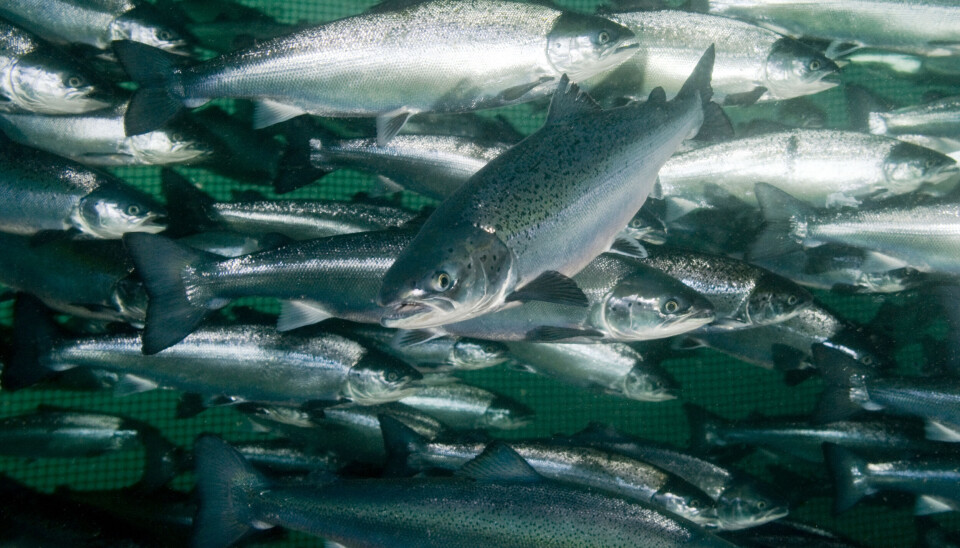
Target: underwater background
<point>721,384</point>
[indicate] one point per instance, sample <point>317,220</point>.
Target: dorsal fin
<point>500,463</point>
<point>569,101</point>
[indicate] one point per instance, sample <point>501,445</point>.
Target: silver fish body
<point>98,139</point>
<point>546,207</point>
<point>36,77</point>
<point>504,503</point>
<point>748,58</point>
<point>611,368</point>
<point>918,26</point>
<point>430,165</point>
<point>40,191</point>
<point>940,118</point>
<point>627,301</point>
<point>95,23</point>
<point>823,167</point>
<point>468,407</point>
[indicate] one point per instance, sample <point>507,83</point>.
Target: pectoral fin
<point>551,287</point>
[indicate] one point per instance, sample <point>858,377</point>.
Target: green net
<point>723,385</point>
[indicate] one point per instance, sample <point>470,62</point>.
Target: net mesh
<point>722,384</point>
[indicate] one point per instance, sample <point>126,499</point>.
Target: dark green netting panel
<point>723,385</point>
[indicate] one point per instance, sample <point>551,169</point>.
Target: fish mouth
<point>399,314</point>
<point>626,47</point>
<point>832,78</point>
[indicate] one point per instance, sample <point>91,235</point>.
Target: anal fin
<point>294,314</point>
<point>267,113</point>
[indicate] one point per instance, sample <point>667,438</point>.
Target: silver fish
<point>823,167</point>
<point>40,192</point>
<point>924,237</point>
<point>389,64</point>
<point>612,368</point>
<point>95,23</point>
<point>497,499</point>
<point>752,63</point>
<point>940,118</point>
<point>37,77</point>
<point>626,301</point>
<point>261,365</point>
<point>915,26</point>
<point>97,139</point>
<point>540,212</point>
<point>466,407</point>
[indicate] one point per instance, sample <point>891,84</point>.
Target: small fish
<point>61,433</point>
<point>939,118</point>
<point>803,162</point>
<point>37,77</point>
<point>421,57</point>
<point>752,63</point>
<point>913,26</point>
<point>87,278</point>
<point>626,301</point>
<point>933,478</point>
<point>262,365</point>
<point>97,139</point>
<point>789,534</point>
<point>540,212</point>
<point>584,467</point>
<point>742,295</point>
<point>916,236</point>
<point>495,499</point>
<point>466,407</point>
<point>612,368</point>
<point>41,192</point>
<point>741,500</point>
<point>802,438</point>
<point>284,457</point>
<point>97,23</point>
<point>296,219</point>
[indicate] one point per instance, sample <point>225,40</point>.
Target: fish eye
<point>133,209</point>
<point>671,306</point>
<point>441,281</point>
<point>815,64</point>
<point>603,37</point>
<point>867,360</point>
<point>392,376</point>
<point>695,504</point>
<point>164,35</point>
<point>929,163</point>
<point>792,300</point>
<point>75,81</point>
<point>761,505</point>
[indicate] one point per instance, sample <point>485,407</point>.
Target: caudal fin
<point>780,211</point>
<point>302,161</point>
<point>402,445</point>
<point>190,210</point>
<point>850,480</point>
<point>225,482</point>
<point>33,334</point>
<point>844,389</point>
<point>171,314</point>
<point>699,79</point>
<point>156,102</point>
<point>705,429</point>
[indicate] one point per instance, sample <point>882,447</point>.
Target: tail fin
<point>850,480</point>
<point>164,460</point>
<point>162,263</point>
<point>705,429</point>
<point>402,444</point>
<point>225,481</point>
<point>863,109</point>
<point>843,385</point>
<point>156,102</point>
<point>699,79</point>
<point>716,125</point>
<point>189,209</point>
<point>33,334</point>
<point>780,211</point>
<point>302,160</point>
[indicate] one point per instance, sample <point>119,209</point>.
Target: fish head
<point>794,69</point>
<point>583,45</point>
<point>378,378</point>
<point>49,85</point>
<point>683,499</point>
<point>477,354</point>
<point>868,349</point>
<point>644,383</point>
<point>277,414</point>
<point>147,25</point>
<point>774,299</point>
<point>174,145</point>
<point>506,414</point>
<point>111,211</point>
<point>744,505</point>
<point>431,285</point>
<point>651,305</point>
<point>907,164</point>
